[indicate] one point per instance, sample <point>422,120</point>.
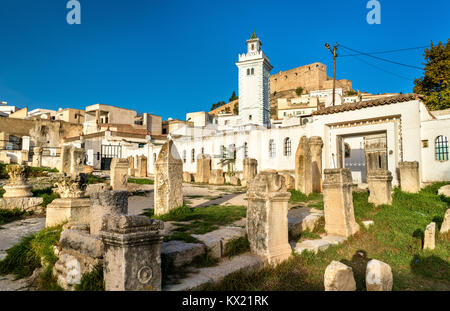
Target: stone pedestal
<point>315,145</point>
<point>68,209</point>
<point>338,203</point>
<point>106,202</point>
<point>203,168</point>
<point>217,177</point>
<point>17,191</point>
<point>119,174</point>
<point>267,222</point>
<point>409,176</point>
<point>250,171</point>
<point>187,177</point>
<point>168,180</point>
<point>130,166</point>
<point>303,167</point>
<point>76,161</point>
<point>380,187</point>
<point>132,259</point>
<point>37,157</point>
<point>429,240</point>
<point>141,166</point>
<point>17,187</point>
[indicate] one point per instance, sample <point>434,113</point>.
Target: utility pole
<point>334,67</point>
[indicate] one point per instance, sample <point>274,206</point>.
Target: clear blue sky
<point>171,57</point>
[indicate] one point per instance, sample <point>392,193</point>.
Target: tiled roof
<point>370,103</point>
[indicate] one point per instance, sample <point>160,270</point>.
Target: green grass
<point>40,171</point>
<point>95,180</point>
<point>7,215</point>
<point>395,238</point>
<point>237,246</point>
<point>2,192</point>
<point>92,281</point>
<point>46,194</point>
<point>299,197</point>
<point>140,181</point>
<point>3,173</point>
<point>23,258</point>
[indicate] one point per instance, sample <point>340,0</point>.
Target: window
<point>287,147</point>
<point>272,151</point>
<point>223,152</point>
<point>250,117</point>
<point>193,155</point>
<point>441,148</point>
<point>233,151</point>
<point>248,71</point>
<point>245,150</point>
<point>253,71</point>
<point>184,156</point>
<point>203,150</point>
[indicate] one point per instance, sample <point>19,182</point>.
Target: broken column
<point>168,180</point>
<point>132,258</point>
<point>409,176</point>
<point>446,223</point>
<point>338,203</point>
<point>378,276</point>
<point>37,157</point>
<point>217,177</point>
<point>429,237</point>
<point>289,180</point>
<point>119,174</point>
<point>17,186</point>
<point>76,161</point>
<point>106,202</point>
<point>315,146</point>
<point>72,206</point>
<point>130,166</point>
<point>380,186</point>
<point>203,168</point>
<point>303,167</point>
<point>250,170</point>
<point>64,165</point>
<point>141,166</point>
<point>339,277</point>
<point>267,222</point>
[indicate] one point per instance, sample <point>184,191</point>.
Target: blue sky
<point>171,57</point>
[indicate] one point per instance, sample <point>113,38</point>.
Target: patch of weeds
<point>297,197</point>
<point>47,281</point>
<point>2,192</point>
<point>7,215</point>
<point>46,194</point>
<point>40,171</point>
<point>434,188</point>
<point>237,246</point>
<point>181,236</point>
<point>92,281</point>
<point>95,180</point>
<point>140,181</point>
<point>318,206</point>
<point>3,173</point>
<point>204,261</point>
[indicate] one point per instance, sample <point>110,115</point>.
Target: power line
<point>385,52</point>
<point>379,68</point>
<point>383,59</point>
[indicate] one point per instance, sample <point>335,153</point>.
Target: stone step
<point>302,219</point>
<point>212,275</point>
<point>181,253</point>
<point>317,245</point>
<point>217,240</point>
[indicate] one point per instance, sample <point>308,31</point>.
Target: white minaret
<point>254,84</point>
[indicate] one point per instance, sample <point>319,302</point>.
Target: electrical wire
<point>385,52</point>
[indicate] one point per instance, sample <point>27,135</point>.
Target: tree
<point>233,97</point>
<point>236,109</point>
<point>435,82</point>
<point>299,91</point>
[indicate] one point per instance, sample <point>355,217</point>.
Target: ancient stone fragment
<point>315,145</point>
<point>303,167</point>
<point>37,157</point>
<point>132,259</point>
<point>267,222</point>
<point>339,277</point>
<point>64,165</point>
<point>187,177</point>
<point>380,186</point>
<point>141,166</point>
<point>106,202</point>
<point>338,203</point>
<point>168,180</point>
<point>203,168</point>
<point>76,161</point>
<point>446,223</point>
<point>250,170</point>
<point>119,174</point>
<point>68,209</point>
<point>289,180</point>
<point>378,276</point>
<point>17,186</point>
<point>429,237</point>
<point>409,176</point>
<point>131,170</point>
<point>444,190</point>
<point>217,177</point>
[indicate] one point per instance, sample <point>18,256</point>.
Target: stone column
<point>64,165</point>
<point>132,258</point>
<point>141,166</point>
<point>17,186</point>
<point>37,157</point>
<point>380,187</point>
<point>315,145</point>
<point>119,174</point>
<point>409,176</point>
<point>72,206</point>
<point>267,222</point>
<point>203,168</point>
<point>250,170</point>
<point>106,202</point>
<point>168,180</point>
<point>338,203</point>
<point>130,166</point>
<point>303,167</point>
<point>76,161</point>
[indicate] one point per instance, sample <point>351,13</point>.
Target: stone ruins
<point>315,145</point>
<point>445,227</point>
<point>203,168</point>
<point>267,223</point>
<point>429,238</point>
<point>338,203</point>
<point>17,186</point>
<point>217,177</point>
<point>119,174</point>
<point>409,176</point>
<point>168,180</point>
<point>378,276</point>
<point>250,171</point>
<point>303,167</point>
<point>141,170</point>
<point>339,277</point>
<point>130,166</point>
<point>380,186</point>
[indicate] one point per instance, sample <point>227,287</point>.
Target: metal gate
<point>376,151</point>
<point>108,153</point>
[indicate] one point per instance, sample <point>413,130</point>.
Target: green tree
<point>299,91</point>
<point>236,109</point>
<point>435,82</point>
<point>233,97</point>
